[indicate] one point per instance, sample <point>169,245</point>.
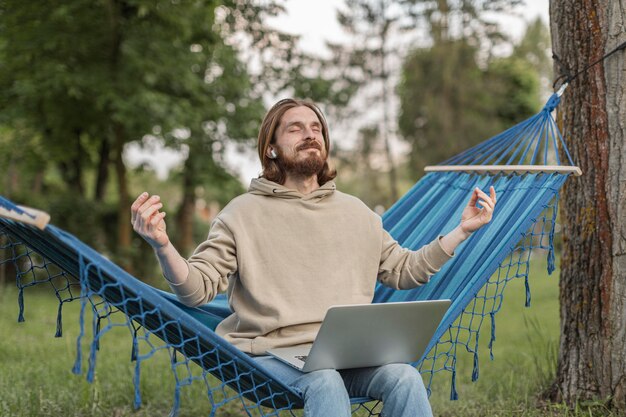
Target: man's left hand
<point>474,217</point>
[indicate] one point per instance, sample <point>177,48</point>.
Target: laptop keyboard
<point>302,358</point>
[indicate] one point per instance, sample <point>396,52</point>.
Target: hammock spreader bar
<point>505,169</point>
<point>23,214</point>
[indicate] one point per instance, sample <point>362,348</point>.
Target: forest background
<point>86,87</point>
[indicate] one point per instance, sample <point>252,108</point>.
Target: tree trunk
<point>384,78</point>
<point>102,177</point>
<point>123,212</point>
<point>12,178</point>
<point>38,181</point>
<point>124,229</point>
<point>592,352</point>
<point>72,170</point>
<point>184,217</point>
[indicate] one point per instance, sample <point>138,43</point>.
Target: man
<point>292,247</point>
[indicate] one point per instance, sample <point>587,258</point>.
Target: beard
<point>311,165</point>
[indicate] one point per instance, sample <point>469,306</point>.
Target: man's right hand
<point>148,221</point>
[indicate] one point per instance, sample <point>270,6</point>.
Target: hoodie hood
<point>262,186</point>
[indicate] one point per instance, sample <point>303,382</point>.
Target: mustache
<point>311,143</point>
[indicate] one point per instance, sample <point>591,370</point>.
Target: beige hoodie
<point>285,258</point>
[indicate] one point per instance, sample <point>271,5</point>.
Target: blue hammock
<point>522,164</point>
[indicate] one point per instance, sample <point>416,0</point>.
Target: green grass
<point>36,378</point>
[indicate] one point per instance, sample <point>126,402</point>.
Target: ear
<point>271,153</point>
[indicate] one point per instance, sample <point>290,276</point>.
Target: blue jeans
<point>327,392</point>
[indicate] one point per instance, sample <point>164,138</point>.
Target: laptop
<point>362,335</point>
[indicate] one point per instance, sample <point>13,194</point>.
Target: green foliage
<point>438,93</point>
<point>79,80</point>
<point>82,74</point>
<point>445,103</point>
<point>534,48</point>
<point>450,101</point>
<point>514,87</point>
<point>472,20</point>
<point>21,167</point>
<point>361,171</point>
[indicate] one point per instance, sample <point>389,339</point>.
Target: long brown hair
<point>271,168</point>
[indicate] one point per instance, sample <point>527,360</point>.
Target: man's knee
<point>402,370</point>
<point>325,394</point>
<point>402,375</point>
<point>324,380</point>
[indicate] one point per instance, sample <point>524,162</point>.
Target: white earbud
<point>273,154</point>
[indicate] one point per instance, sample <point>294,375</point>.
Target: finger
<point>140,200</point>
<point>136,204</point>
<point>147,215</point>
<point>156,219</point>
<point>482,194</point>
<point>157,227</point>
<point>485,197</point>
<point>492,194</point>
<point>142,220</point>
<point>155,199</point>
<point>487,204</point>
<point>473,198</point>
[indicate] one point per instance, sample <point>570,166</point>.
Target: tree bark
<point>12,179</point>
<point>384,78</point>
<point>72,170</point>
<point>185,214</point>
<point>592,352</point>
<point>102,177</point>
<point>124,231</point>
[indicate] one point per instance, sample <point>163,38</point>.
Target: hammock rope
<point>475,280</point>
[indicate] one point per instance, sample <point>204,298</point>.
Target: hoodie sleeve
<point>210,266</point>
<point>402,269</point>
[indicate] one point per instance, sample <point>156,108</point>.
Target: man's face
<point>299,142</point>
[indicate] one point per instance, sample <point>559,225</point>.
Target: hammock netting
<point>475,279</point>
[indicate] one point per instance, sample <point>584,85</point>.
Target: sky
<point>316,23</point>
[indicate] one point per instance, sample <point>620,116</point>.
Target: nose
<point>309,133</point>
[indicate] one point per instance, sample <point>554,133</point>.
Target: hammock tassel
<point>475,370</point>
<point>551,266</point>
<point>176,406</point>
<point>81,318</point>
<point>493,334</point>
<point>59,331</point>
<point>92,362</point>
<point>97,334</point>
<point>20,302</point>
<point>137,402</point>
<point>135,348</point>
<point>454,395</point>
<point>94,347</point>
<point>555,210</point>
<point>527,285</point>
<point>79,350</point>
